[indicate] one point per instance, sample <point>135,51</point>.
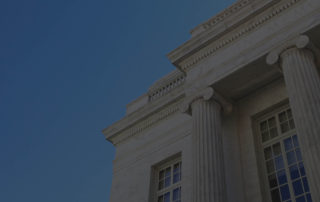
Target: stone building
<point>237,121</point>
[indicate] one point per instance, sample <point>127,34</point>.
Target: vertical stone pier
<point>208,163</point>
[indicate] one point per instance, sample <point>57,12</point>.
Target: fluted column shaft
<point>303,85</point>
<point>208,164</point>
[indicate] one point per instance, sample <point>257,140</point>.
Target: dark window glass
<point>176,177</point>
<point>285,193</point>
<point>282,117</point>
<point>272,122</point>
<point>291,157</point>
<point>273,181</point>
<point>176,167</point>
<point>276,149</point>
<point>275,196</point>
<point>298,153</point>
<point>263,126</point>
<point>161,185</point>
<point>288,144</point>
<point>302,171</point>
<point>284,127</point>
<point>297,187</point>
<point>294,173</point>
<point>267,153</point>
<point>273,132</point>
<point>282,177</point>
<point>279,163</point>
<point>176,194</point>
<point>289,113</point>
<point>176,172</point>
<point>167,197</point>
<point>300,199</point>
<point>270,166</point>
<point>305,184</point>
<point>161,174</point>
<point>167,181</point>
<point>265,136</point>
<point>168,171</point>
<point>309,198</point>
<point>295,141</point>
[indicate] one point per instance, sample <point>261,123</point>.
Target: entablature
<point>226,28</point>
<point>146,116</point>
<point>234,64</point>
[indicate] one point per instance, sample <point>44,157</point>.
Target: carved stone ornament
<point>299,42</point>
<point>205,94</point>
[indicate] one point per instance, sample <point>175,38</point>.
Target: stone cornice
<point>134,124</point>
<point>228,12</point>
<point>186,56</point>
<point>159,104</point>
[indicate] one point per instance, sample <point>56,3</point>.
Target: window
<point>284,168</point>
<point>168,182</point>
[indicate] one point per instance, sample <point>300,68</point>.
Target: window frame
<point>169,162</point>
<point>260,146</point>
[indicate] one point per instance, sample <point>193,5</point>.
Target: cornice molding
<point>236,33</point>
<point>234,8</point>
<point>116,135</point>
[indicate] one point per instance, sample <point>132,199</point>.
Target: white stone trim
<point>116,136</point>
<point>229,12</point>
<point>258,21</point>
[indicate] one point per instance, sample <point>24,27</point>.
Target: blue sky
<point>67,70</point>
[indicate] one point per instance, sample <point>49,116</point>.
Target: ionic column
<point>208,164</point>
<point>303,86</point>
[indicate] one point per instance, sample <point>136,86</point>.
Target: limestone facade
<point>237,121</point>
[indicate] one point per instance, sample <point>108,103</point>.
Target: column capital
<point>299,42</point>
<point>206,94</point>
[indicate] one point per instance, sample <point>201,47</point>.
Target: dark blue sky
<point>67,70</point>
